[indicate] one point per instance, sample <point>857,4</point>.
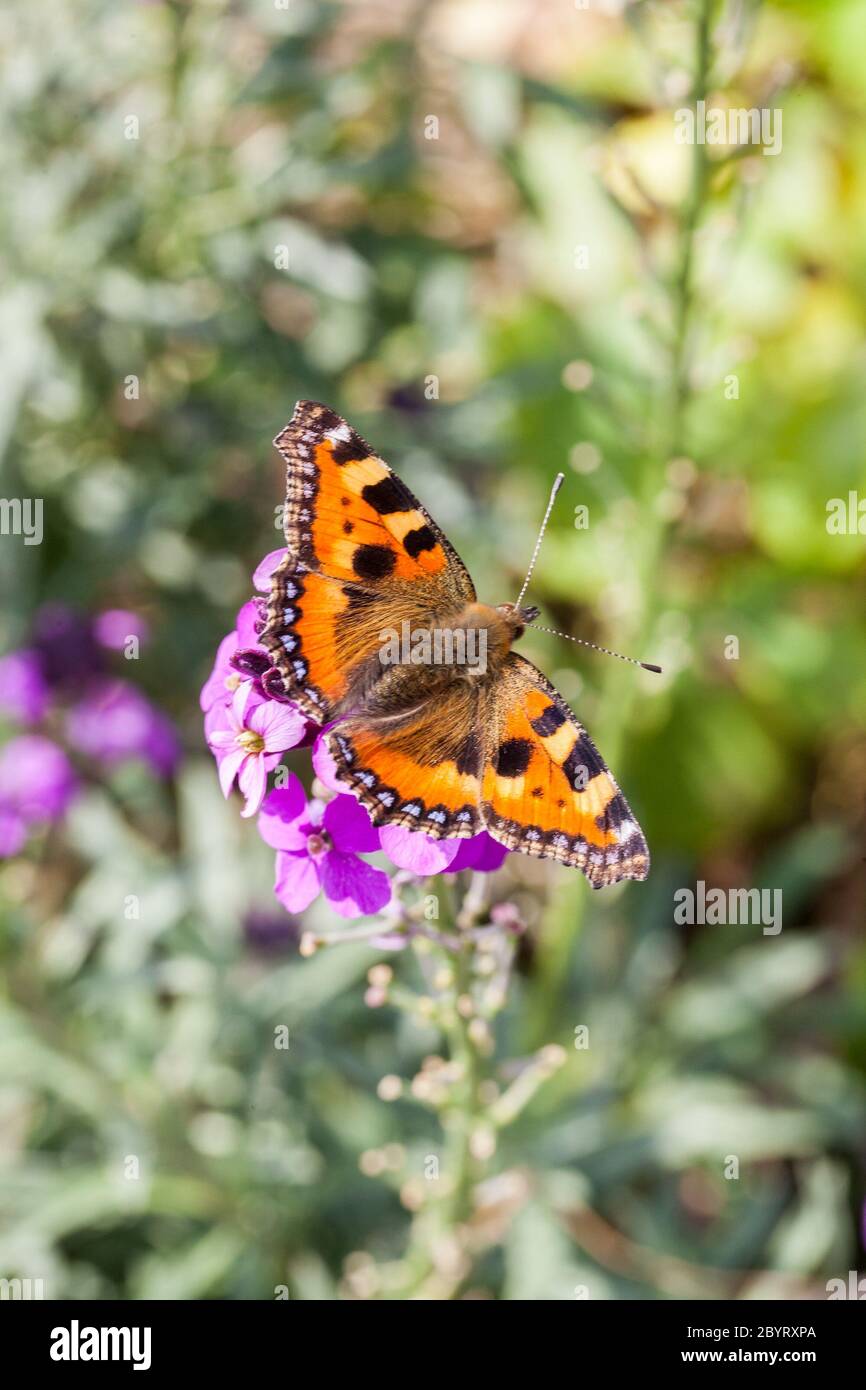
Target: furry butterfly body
<point>446,746</point>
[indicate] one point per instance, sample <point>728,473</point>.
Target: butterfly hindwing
<point>420,769</point>
<point>546,790</point>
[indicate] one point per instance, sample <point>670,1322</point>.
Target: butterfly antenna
<point>607,651</point>
<point>557,484</point>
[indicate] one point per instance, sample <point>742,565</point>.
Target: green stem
<point>463,1113</point>
<point>567,905</point>
<point>440,1220</point>
<point>683,299</point>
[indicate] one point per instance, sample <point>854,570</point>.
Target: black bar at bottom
<point>152,1338</point>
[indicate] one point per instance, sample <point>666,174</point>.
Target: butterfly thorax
<point>482,637</point>
<point>422,660</point>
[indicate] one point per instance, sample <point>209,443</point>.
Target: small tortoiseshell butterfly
<point>446,749</point>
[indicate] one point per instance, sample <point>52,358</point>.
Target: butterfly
<point>448,747</point>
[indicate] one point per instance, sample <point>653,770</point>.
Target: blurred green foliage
<point>701,384</point>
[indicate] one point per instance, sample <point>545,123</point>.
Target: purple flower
<point>113,722</point>
<point>417,852</point>
<point>37,783</point>
<point>324,766</point>
<point>23,692</point>
<point>68,651</point>
<point>13,832</point>
<point>318,848</point>
<point>224,679</point>
<point>266,567</point>
<point>115,626</point>
<point>480,852</point>
<point>248,738</point>
<point>422,855</point>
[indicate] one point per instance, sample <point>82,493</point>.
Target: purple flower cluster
<point>61,690</point>
<point>319,842</point>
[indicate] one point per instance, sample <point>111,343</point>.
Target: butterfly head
<point>516,618</point>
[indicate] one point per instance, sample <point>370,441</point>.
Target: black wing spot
<point>348,527</point>
<point>582,764</point>
<point>548,721</point>
<point>512,757</point>
<point>350,450</point>
<point>327,419</point>
<point>388,495</point>
<point>538,791</point>
<point>344,502</point>
<point>421,538</point>
<point>373,561</point>
<point>468,756</point>
<point>614,814</point>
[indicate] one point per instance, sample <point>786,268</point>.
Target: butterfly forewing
<point>348,514</point>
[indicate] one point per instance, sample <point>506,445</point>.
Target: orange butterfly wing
<point>420,769</point>
<point>443,756</point>
<point>362,555</point>
<point>546,790</point>
<point>349,516</point>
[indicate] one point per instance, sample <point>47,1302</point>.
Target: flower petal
<point>253,782</point>
<point>13,833</point>
<point>324,765</point>
<point>411,849</point>
<point>222,738</point>
<point>245,624</point>
<point>282,822</point>
<point>281,726</point>
<point>353,887</point>
<point>37,780</point>
<point>115,626</point>
<point>239,703</point>
<point>481,852</point>
<point>349,826</point>
<point>265,568</point>
<point>214,687</point>
<point>23,691</point>
<point>113,722</point>
<point>296,882</point>
<point>229,767</point>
